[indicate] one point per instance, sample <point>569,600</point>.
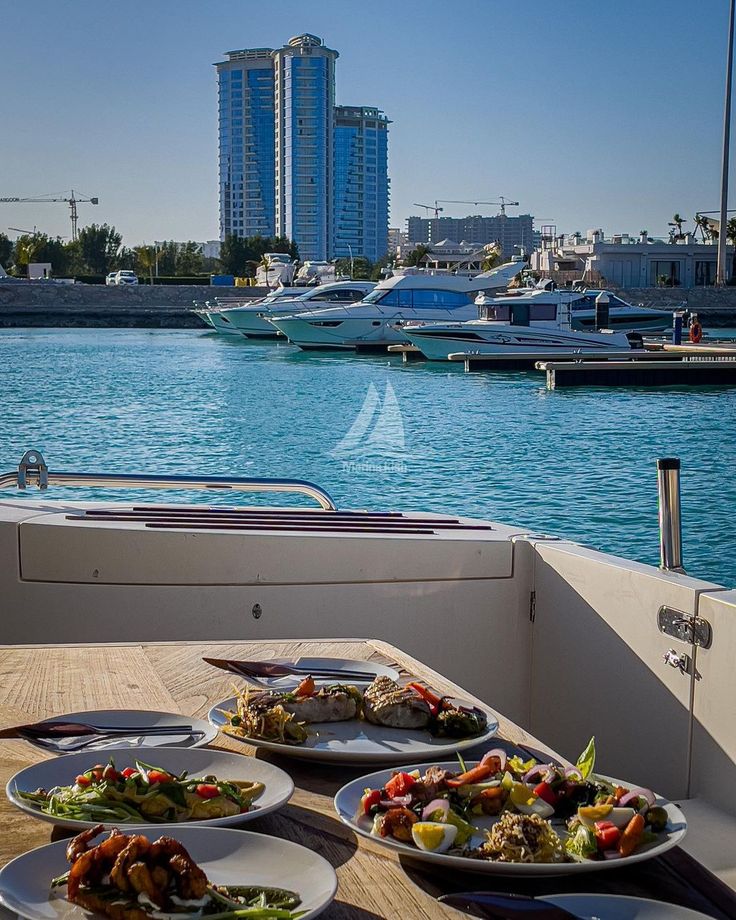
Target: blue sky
<point>589,114</point>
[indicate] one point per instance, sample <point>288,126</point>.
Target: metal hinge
<point>680,625</point>
<point>532,605</point>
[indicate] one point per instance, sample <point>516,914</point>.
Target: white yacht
<point>251,319</point>
<point>537,322</point>
<point>213,313</point>
<point>374,321</point>
<point>622,315</point>
<point>562,639</point>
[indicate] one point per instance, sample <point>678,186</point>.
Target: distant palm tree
<point>265,264</point>
<point>677,223</point>
<point>703,224</point>
<point>146,258</point>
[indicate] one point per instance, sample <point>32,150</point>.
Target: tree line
<point>99,250</point>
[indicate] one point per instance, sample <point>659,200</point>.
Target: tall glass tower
<point>246,121</point>
<point>304,92</point>
<point>361,182</point>
<point>291,162</point>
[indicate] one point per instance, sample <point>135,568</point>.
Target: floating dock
<point>407,352</point>
<point>689,371</point>
<point>527,360</point>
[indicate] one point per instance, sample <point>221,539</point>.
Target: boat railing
<point>33,471</point>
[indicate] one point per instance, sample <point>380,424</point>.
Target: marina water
<point>375,433</point>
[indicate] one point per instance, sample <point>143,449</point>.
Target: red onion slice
<point>639,793</point>
<point>436,805</point>
<point>612,854</point>
<point>535,771</point>
<point>574,773</point>
<point>496,752</point>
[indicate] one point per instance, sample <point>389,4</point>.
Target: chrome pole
<point>721,266</point>
<point>670,520</point>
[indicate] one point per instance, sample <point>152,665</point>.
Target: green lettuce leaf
<point>586,761</point>
<point>582,843</point>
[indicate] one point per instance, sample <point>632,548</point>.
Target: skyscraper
<point>246,121</point>
<point>283,143</point>
<point>304,101</point>
<point>361,182</point>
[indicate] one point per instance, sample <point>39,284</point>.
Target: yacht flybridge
<point>407,298</point>
<point>536,322</point>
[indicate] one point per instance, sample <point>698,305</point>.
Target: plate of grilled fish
<point>385,722</point>
<point>139,875</point>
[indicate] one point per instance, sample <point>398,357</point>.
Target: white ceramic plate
<point>359,742</point>
<point>201,732</point>
<point>198,762</point>
<point>348,798</point>
<point>621,907</point>
<point>228,857</point>
<point>337,664</point>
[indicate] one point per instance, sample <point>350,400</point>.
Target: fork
<point>89,742</point>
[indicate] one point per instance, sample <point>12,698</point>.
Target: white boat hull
<point>479,338</point>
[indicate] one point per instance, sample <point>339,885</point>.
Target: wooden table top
<point>39,682</point>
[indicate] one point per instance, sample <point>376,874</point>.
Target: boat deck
<point>373,882</point>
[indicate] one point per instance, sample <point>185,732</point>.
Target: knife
<point>492,905</point>
<point>277,669</point>
<point>59,729</point>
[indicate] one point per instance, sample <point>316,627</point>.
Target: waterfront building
<point>626,261</point>
<point>396,237</point>
<point>361,193</point>
<point>246,143</point>
<point>282,142</point>
<point>512,233</point>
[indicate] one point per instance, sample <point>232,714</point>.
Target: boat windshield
<point>420,298</point>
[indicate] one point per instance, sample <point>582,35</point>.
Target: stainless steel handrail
<point>32,470</point>
<point>670,519</point>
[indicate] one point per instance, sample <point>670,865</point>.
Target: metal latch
<point>679,625</point>
<point>680,660</point>
<point>32,462</point>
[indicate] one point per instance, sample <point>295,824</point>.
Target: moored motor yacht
<point>537,322</point>
<point>213,314</point>
<point>564,640</point>
<point>373,322</point>
<point>250,319</point>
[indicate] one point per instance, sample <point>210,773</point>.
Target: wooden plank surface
<point>37,682</point>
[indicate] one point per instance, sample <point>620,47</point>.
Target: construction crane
<point>501,201</point>
<point>428,208</point>
<point>72,200</point>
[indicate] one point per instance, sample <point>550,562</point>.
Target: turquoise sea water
<point>578,463</point>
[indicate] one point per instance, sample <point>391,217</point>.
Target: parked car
<point>125,277</point>
<point>111,278</point>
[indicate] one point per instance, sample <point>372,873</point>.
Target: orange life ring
<point>696,332</point>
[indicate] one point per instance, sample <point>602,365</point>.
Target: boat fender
<point>696,332</point>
